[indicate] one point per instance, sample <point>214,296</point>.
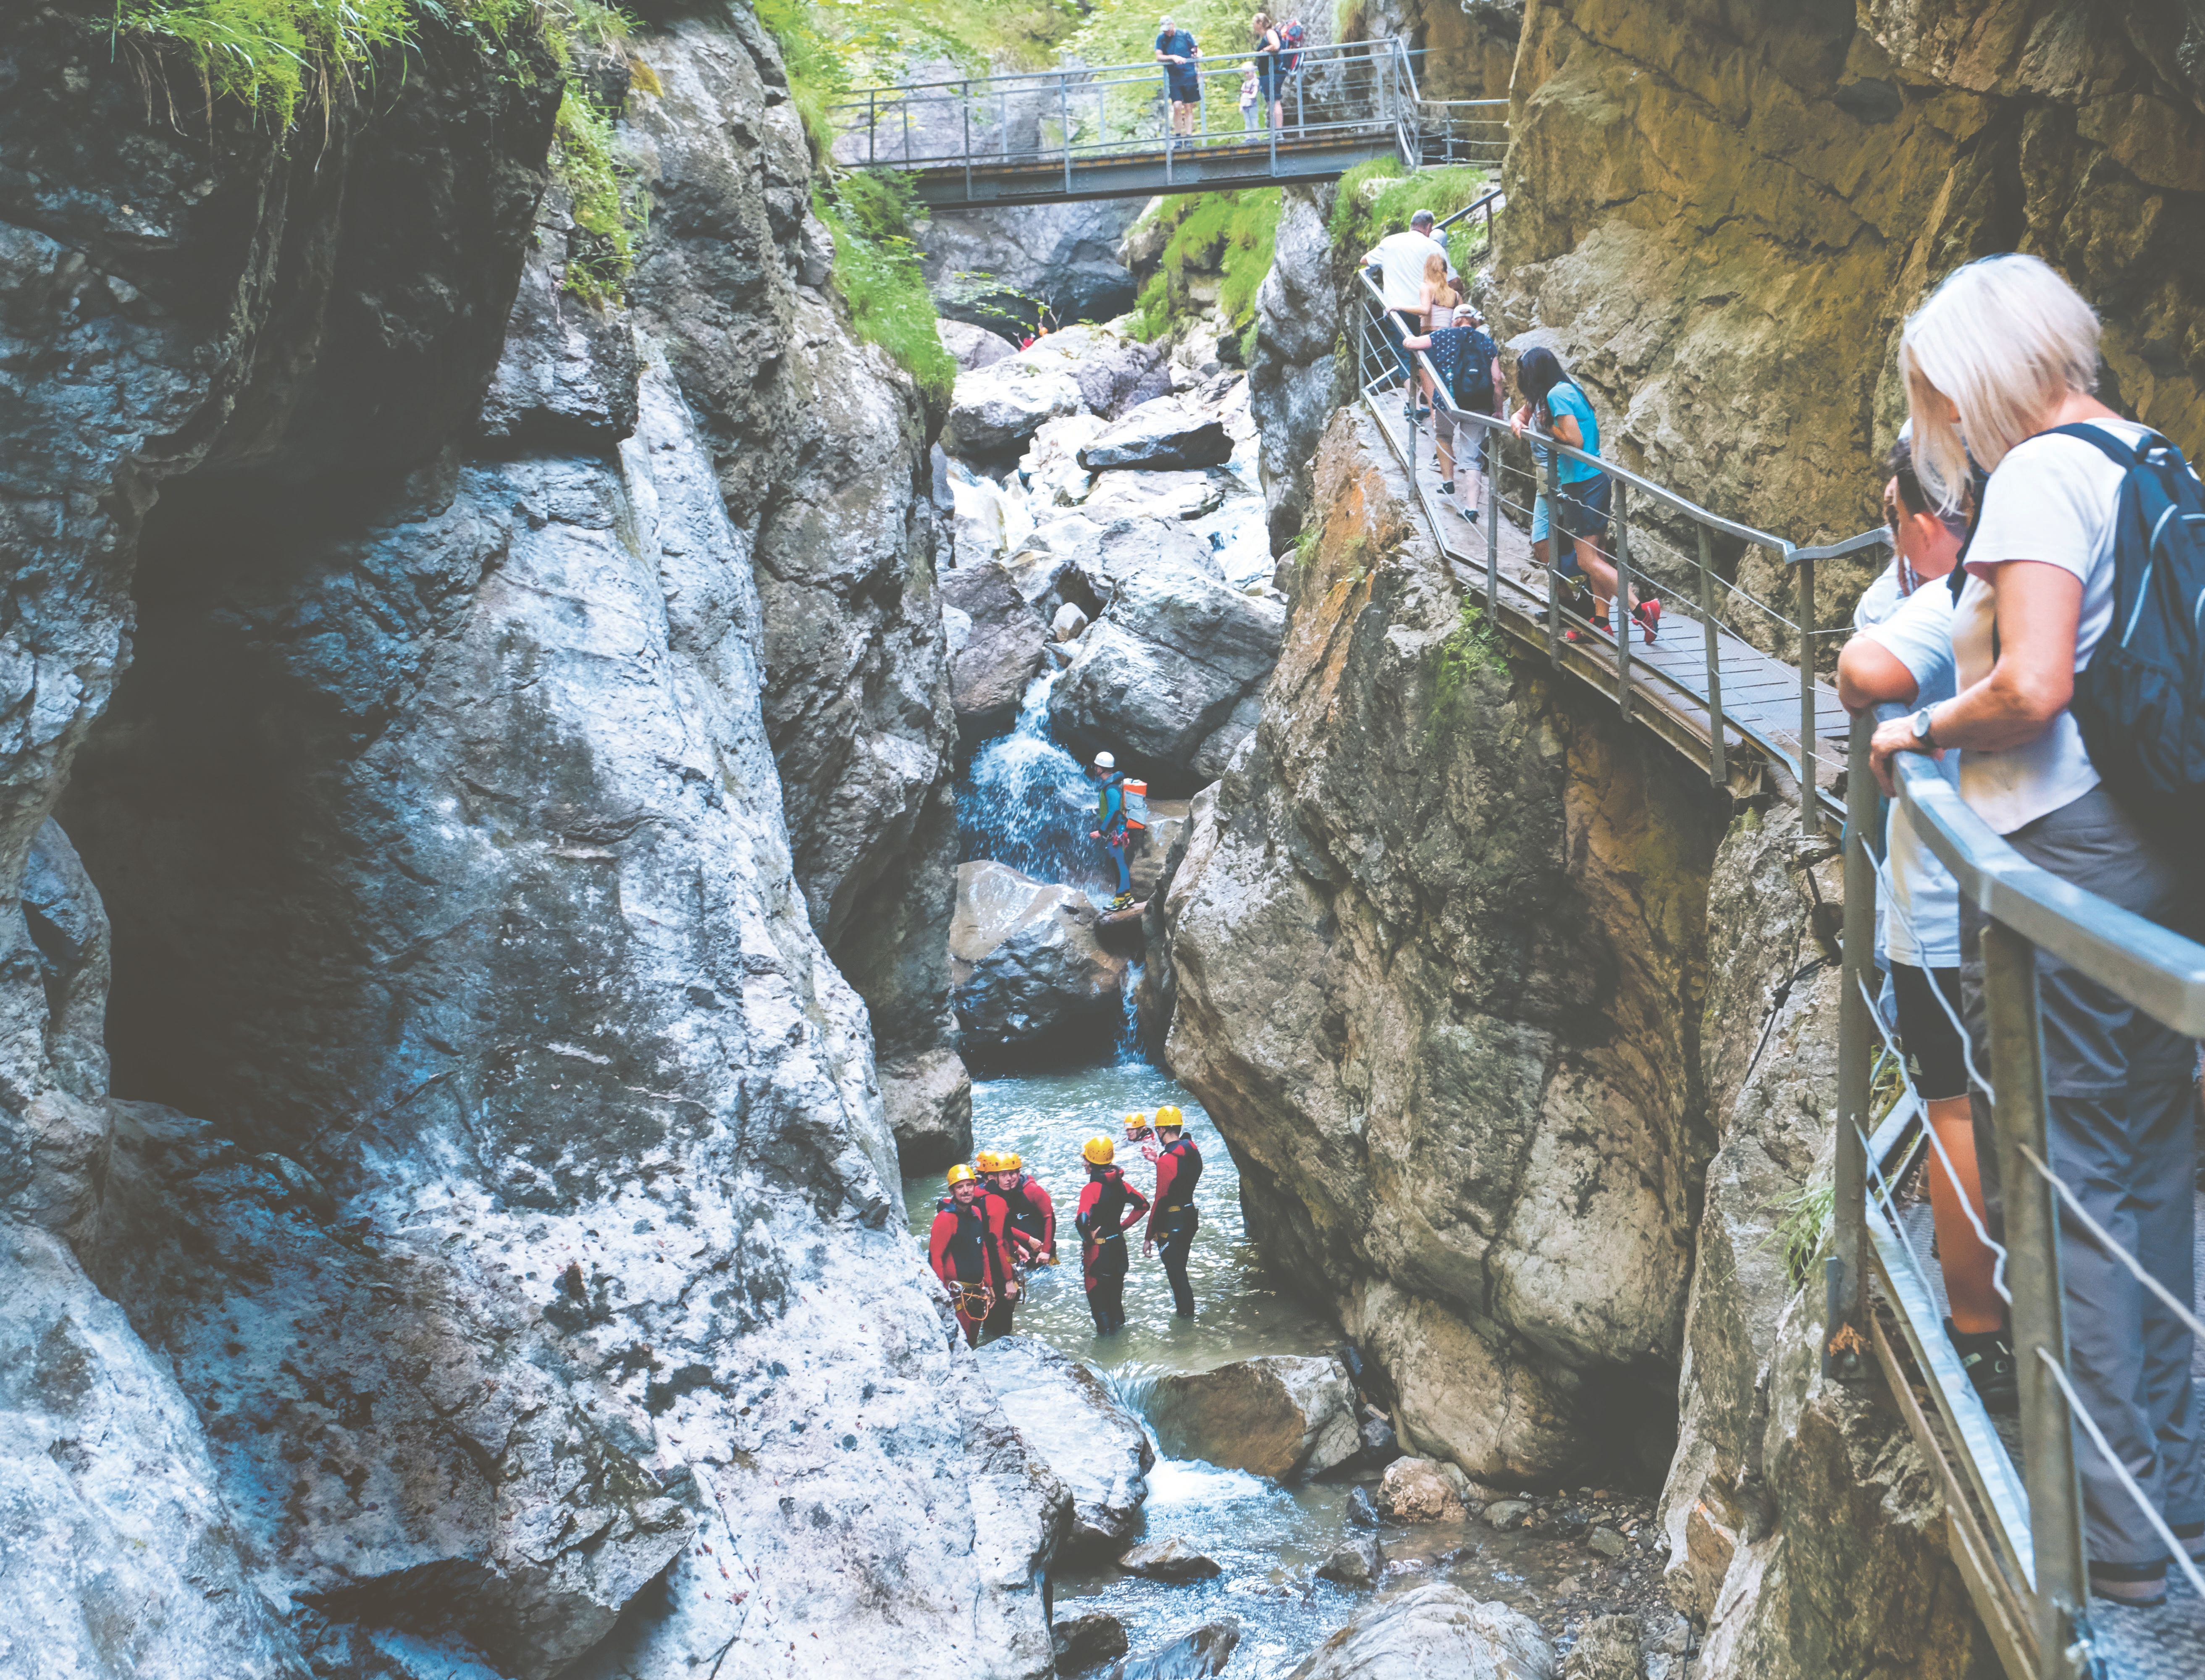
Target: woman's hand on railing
<point>1895,737</point>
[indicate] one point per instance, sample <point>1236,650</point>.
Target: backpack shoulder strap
<point>2121,454</point>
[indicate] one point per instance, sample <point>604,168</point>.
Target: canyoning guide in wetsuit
<point>965,1250</point>
<point>991,1165</point>
<point>1171,1226</point>
<point>1108,1206</point>
<point>1033,1214</point>
<point>1112,821</point>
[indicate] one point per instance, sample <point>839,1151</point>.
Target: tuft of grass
<point>1470,652</point>
<point>877,270</point>
<point>601,250</point>
<point>1232,234</point>
<point>270,55</point>
<point>1802,1218</point>
<point>1361,217</point>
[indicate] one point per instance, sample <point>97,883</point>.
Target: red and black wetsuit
<point>1108,1208</point>
<point>1033,1214</point>
<point>1007,1247</point>
<point>1171,1227</point>
<point>964,1248</point>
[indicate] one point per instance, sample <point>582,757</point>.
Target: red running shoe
<point>1648,614</point>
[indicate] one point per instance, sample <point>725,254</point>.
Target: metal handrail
<point>2037,1605</point>
<point>1816,808</point>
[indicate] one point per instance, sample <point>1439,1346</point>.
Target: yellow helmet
<point>1100,1151</point>
<point>988,1161</point>
<point>1136,1123</point>
<point>1169,1116</point>
<point>1009,1161</point>
<point>959,1174</point>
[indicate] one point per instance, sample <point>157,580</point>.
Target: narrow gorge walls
<point>474,711</point>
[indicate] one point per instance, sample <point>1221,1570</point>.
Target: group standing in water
<point>996,1223</point>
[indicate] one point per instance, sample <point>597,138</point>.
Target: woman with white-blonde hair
<point>2000,366</point>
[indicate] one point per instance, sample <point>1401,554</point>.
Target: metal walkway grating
<point>2167,1643</point>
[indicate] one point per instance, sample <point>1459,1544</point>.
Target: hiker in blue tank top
<point>1573,531</point>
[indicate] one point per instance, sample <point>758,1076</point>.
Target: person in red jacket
<point>990,1162</point>
<point>1107,1209</point>
<point>1033,1225</point>
<point>1171,1226</point>
<point>965,1249</point>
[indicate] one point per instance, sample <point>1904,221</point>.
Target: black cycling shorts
<point>1926,1033</point>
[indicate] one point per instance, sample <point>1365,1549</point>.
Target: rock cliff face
<point>1719,215</point>
<point>1520,1037</point>
<point>1439,952</point>
<point>533,1288</point>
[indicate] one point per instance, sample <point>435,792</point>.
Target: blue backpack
<point>2141,700</point>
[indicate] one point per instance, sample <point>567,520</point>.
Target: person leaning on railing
<point>2002,353</point>
<point>1270,78</point>
<point>1901,651</point>
<point>1399,259</point>
<point>1181,56</point>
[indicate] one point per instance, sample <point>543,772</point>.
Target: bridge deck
<point>1199,164</point>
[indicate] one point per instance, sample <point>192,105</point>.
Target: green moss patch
<point>1230,234</point>
<point>876,271</point>
<point>1362,216</point>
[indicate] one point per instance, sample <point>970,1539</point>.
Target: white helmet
<point>1104,761</point>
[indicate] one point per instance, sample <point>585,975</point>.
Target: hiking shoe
<point>1121,900</point>
<point>1599,624</point>
<point>1988,1358</point>
<point>1470,513</point>
<point>2192,1536</point>
<point>2140,1586</point>
<point>1446,487</point>
<point>1648,614</point>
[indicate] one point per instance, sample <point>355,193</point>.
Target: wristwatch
<point>1922,728</point>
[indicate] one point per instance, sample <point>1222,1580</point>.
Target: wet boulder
<point>1026,967</point>
<point>1607,1649</point>
<point>1433,1629</point>
<point>1051,468</point>
<point>1122,377</point>
<point>1069,1419</point>
<point>1087,1642</point>
<point>1356,1561</point>
<point>1195,1655</point>
<point>1278,1416</point>
<point>974,348</point>
<point>994,409</point>
<point>1082,560</point>
<point>1169,433</point>
<point>1153,493</point>
<point>1171,677</point>
<point>1414,1490</point>
<point>1171,1560</point>
<point>996,642</point>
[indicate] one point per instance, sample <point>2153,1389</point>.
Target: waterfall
<point>1022,800</point>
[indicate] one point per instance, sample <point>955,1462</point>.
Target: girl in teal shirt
<point>1566,414</point>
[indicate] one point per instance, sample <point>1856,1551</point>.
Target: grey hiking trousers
<point>2121,1095</point>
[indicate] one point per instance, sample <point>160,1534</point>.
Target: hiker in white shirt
<point>2003,352</point>
<point>1399,259</point>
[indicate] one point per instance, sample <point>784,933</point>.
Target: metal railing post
<point>2032,1239</point>
<point>965,107</point>
<point>1810,821</point>
<point>1064,120</point>
<point>872,120</point>
<point>1490,445</point>
<point>907,131</point>
<point>1554,510</point>
<point>1620,609</point>
<point>1842,1341</point>
<point>1714,640</point>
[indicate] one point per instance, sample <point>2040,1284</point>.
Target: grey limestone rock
<point>998,652</point>
<point>1168,432</point>
<point>1154,493</point>
<point>1070,1420</point>
<point>1291,377</point>
<point>1356,1561</point>
<point>1123,377</point>
<point>1084,559</point>
<point>1171,1560</point>
<point>1088,1640</point>
<point>997,407</point>
<point>1416,1490</point>
<point>984,264</point>
<point>1437,1629</point>
<point>1607,1649</point>
<point>1194,1655</point>
<point>975,347</point>
<point>1163,677</point>
<point>1029,967</point>
<point>1280,1415</point>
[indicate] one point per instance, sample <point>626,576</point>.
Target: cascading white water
<point>1024,800</point>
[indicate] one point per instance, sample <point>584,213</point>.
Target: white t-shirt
<point>1919,919</point>
<point>2052,499</point>
<point>1402,255</point>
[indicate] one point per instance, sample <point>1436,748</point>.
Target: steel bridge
<point>1106,132</point>
<point>1733,687</point>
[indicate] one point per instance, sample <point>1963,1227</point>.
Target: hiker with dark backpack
<point>2080,718</point>
<point>1467,366</point>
